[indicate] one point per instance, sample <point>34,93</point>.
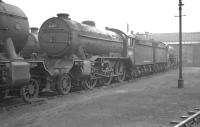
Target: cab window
<point>130,42</point>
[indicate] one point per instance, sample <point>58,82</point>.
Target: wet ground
<point>151,101</point>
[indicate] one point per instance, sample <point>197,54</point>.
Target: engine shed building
<point>190,47</point>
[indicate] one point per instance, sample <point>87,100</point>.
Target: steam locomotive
<point>79,54</point>
<point>15,76</point>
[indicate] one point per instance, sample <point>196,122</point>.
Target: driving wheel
<point>30,91</point>
<point>64,84</point>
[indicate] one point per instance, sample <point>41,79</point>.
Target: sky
<point>154,16</point>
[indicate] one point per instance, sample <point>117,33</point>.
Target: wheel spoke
<point>89,83</point>
<point>30,91</point>
<point>64,84</point>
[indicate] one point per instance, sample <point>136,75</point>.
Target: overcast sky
<point>154,16</point>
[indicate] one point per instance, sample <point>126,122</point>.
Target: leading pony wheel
<point>30,92</point>
<point>64,84</point>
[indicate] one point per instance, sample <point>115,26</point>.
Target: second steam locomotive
<point>79,54</point>
<point>15,76</point>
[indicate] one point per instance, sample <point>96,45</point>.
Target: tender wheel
<point>89,83</point>
<point>122,72</point>
<point>30,91</point>
<point>64,84</point>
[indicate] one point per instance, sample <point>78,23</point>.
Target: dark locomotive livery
<point>15,76</point>
<point>66,54</point>
<point>80,54</point>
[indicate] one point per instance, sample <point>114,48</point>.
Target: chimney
<point>63,15</point>
<point>34,30</point>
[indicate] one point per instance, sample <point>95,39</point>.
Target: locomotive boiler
<point>15,77</point>
<point>59,36</point>
<point>13,24</point>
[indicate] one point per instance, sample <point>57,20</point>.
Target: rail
<point>192,119</point>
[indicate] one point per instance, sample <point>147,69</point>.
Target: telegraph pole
<point>180,80</point>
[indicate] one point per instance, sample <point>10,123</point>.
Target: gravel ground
<point>151,101</point>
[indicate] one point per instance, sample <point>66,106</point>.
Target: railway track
<point>190,119</point>
<point>15,103</point>
<point>12,103</point>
